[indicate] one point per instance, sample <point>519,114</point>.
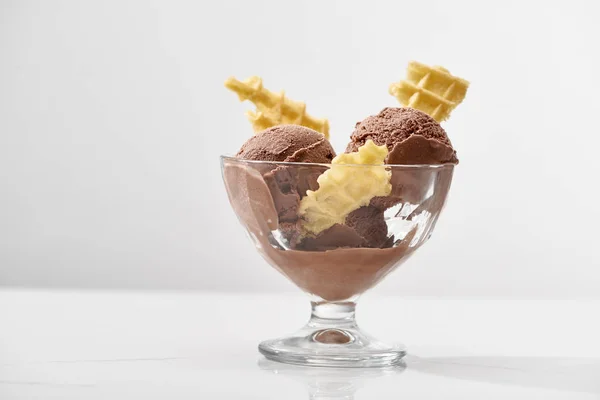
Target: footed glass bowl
<point>337,264</point>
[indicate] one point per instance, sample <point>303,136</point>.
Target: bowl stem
<point>331,338</point>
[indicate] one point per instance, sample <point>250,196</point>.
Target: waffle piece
<point>432,90</point>
<point>343,189</point>
<point>274,108</point>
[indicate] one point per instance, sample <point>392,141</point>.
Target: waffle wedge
<point>344,188</point>
<point>432,90</point>
<point>273,108</point>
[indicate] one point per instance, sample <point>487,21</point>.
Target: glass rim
<point>307,164</point>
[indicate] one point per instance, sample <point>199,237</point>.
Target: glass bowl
<point>335,266</point>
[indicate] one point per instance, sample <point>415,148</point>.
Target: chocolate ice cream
<point>364,227</point>
<point>368,223</point>
<point>412,137</point>
<point>290,143</point>
<point>335,266</point>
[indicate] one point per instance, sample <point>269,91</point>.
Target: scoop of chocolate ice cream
<point>290,143</point>
<point>411,136</point>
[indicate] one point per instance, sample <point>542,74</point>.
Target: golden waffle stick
<point>274,108</point>
<point>343,189</point>
<point>432,90</point>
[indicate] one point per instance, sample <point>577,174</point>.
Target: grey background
<point>113,115</point>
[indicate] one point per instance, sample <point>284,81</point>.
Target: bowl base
<point>332,347</point>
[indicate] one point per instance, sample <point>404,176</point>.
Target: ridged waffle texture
<point>344,188</point>
<point>274,108</point>
<point>432,90</point>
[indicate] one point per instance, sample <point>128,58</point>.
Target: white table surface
<point>129,345</point>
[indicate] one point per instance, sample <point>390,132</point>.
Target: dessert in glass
<point>337,225</point>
